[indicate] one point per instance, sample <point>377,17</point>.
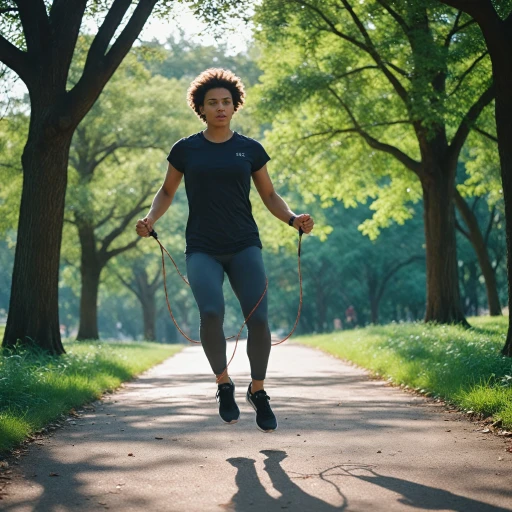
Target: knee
<point>211,315</point>
<point>258,320</point>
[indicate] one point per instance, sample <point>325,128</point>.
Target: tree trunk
<point>146,294</point>
<point>374,310</point>
<point>90,270</point>
<point>478,243</point>
<point>443,296</point>
<point>501,52</point>
<point>149,314</point>
<point>33,307</point>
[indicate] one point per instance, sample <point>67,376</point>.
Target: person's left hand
<point>304,221</point>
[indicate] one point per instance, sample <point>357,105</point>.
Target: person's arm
<point>276,204</point>
<point>161,201</point>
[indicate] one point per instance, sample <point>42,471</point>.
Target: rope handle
<point>163,250</point>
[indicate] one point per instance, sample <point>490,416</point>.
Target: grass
<point>36,389</point>
<point>463,366</point>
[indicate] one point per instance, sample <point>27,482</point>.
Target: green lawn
<point>36,388</point>
<point>462,366</point>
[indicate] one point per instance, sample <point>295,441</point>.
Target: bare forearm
<point>160,205</point>
<point>278,207</point>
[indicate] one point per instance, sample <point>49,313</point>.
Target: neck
<point>218,133</point>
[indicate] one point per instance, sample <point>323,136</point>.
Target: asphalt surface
<point>344,443</point>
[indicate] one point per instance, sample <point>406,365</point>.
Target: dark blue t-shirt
<point>218,183</point>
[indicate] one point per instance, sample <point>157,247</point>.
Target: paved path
<point>345,443</point>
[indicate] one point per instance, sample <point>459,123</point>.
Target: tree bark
<point>477,241</point>
<point>90,271</point>
<point>33,307</point>
<point>502,70</point>
<point>443,296</point>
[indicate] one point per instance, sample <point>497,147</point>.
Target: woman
<point>221,234</point>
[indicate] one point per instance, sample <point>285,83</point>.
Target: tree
<point>410,80</point>
<point>38,45</point>
<point>495,21</point>
<point>117,156</point>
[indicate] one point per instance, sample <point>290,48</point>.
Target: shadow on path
<point>251,492</point>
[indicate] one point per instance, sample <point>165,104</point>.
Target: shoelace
<point>262,403</point>
<point>224,389</point>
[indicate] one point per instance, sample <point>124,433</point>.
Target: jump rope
<point>219,377</point>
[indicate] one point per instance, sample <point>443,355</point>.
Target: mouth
<point>220,117</point>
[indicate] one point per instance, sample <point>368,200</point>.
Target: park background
<point>353,112</point>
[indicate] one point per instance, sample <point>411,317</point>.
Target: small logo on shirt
<point>240,154</point>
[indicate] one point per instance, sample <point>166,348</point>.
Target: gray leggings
<point>246,273</point>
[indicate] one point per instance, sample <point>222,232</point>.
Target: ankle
<point>224,380</point>
<point>257,385</point>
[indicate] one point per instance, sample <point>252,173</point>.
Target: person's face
<point>218,107</point>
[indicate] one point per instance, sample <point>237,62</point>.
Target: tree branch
<point>489,226</point>
<point>461,229</point>
<point>468,71</point>
<point>105,243</point>
<point>457,28</point>
<point>468,121</point>
<point>394,270</point>
<point>358,70</point>
<point>106,218</point>
<point>399,88</point>
<point>126,283</point>
<point>396,16</point>
<point>475,8</point>
<point>106,32</point>
<point>405,159</point>
<point>65,19</point>
<point>114,252</point>
<point>485,134</point>
<point>99,67</point>
<point>36,27</point>
<point>15,59</point>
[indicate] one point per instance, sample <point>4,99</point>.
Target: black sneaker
<point>228,410</point>
<point>265,418</point>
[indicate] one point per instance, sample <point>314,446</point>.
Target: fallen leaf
<point>131,455</point>
<point>158,437</point>
<point>379,451</point>
<point>509,449</point>
<point>485,431</point>
<point>448,430</point>
<point>54,474</point>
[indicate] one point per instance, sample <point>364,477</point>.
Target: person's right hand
<point>144,226</point>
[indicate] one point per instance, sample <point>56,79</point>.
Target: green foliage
<point>13,134</point>
<point>327,88</point>
<point>503,8</point>
<point>180,58</point>
<point>36,388</point>
<point>462,366</point>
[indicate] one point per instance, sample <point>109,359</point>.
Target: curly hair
<point>213,78</point>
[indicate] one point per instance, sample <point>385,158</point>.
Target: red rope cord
<point>219,377</point>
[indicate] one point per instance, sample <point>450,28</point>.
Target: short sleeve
<point>176,156</point>
<point>260,157</point>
